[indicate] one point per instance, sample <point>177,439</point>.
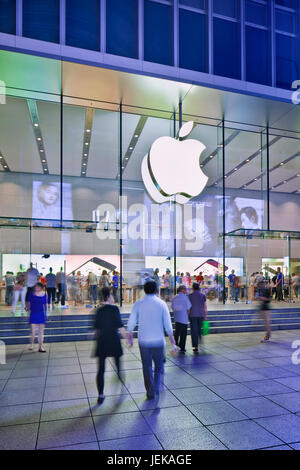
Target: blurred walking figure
<point>198,313</point>
<point>20,290</point>
<point>181,306</point>
<point>279,285</point>
<point>93,287</point>
<point>153,318</point>
<point>51,288</point>
<point>9,284</point>
<point>37,301</point>
<point>264,309</point>
<point>108,328</point>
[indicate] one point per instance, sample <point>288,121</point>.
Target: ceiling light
<point>36,125</point>
<point>247,160</point>
<point>130,148</point>
<point>281,164</point>
<point>39,138</point>
<point>85,154</point>
<point>126,158</point>
<point>43,161</point>
<point>211,156</point>
<point>136,135</point>
<point>235,169</point>
<point>41,150</point>
<point>88,130</point>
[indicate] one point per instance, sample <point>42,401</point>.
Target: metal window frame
<point>19,17</point>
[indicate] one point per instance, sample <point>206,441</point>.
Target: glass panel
<point>226,48</point>
<point>122,27</point>
<point>158,33</point>
<point>41,20</point>
<point>258,58</point>
<point>227,8</point>
<point>201,4</point>
<point>8,16</point>
<point>287,65</point>
<point>285,21</point>
<point>288,3</point>
<point>82,24</point>
<point>193,30</point>
<point>256,13</point>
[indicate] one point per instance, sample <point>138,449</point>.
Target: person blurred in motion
<point>108,327</point>
<point>153,318</point>
<point>264,309</point>
<point>93,287</point>
<point>37,301</point>
<point>20,290</point>
<point>181,306</point>
<point>51,288</point>
<point>279,285</point>
<point>198,313</point>
<point>61,287</point>
<point>115,286</point>
<point>9,287</point>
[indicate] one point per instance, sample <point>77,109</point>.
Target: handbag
<point>205,327</point>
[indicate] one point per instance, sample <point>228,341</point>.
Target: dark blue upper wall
<point>252,40</point>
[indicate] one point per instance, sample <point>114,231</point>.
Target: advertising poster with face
<point>46,200</point>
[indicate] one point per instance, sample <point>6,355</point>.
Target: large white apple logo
<point>172,167</point>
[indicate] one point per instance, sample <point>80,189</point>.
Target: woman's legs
<point>41,336</point>
<point>32,336</point>
<point>100,376</point>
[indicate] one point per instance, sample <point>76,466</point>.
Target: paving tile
<point>65,432</point>
<point>244,375</point>
<point>216,413</point>
<point>25,383</point>
<point>146,442</point>
<point>274,372</point>
<point>267,387</point>
<point>232,391</point>
<point>5,374</point>
<point>117,426</point>
<point>197,438</point>
<point>181,380</point>
<point>170,419</point>
<point>20,414</point>
<point>86,446</point>
<point>61,370</point>
<point>29,372</point>
<point>291,382</point>
<point>57,354</point>
<point>165,399</point>
<point>244,435</point>
<point>114,404</point>
<point>285,427</point>
<point>253,363</point>
<point>278,448</point>
<point>189,396</point>
<point>65,409</point>
<point>65,392</point>
<point>228,366</point>
<point>213,378</point>
<point>67,379</point>
<point>295,446</point>
<point>21,437</point>
<point>258,407</point>
<point>66,361</point>
<point>290,401</point>
<point>17,397</point>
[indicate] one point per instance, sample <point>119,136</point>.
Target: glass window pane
<point>256,13</point>
<point>8,16</point>
<point>285,21</point>
<point>82,24</point>
<point>227,8</point>
<point>258,67</point>
<point>158,35</point>
<point>201,4</point>
<point>288,3</point>
<point>287,66</point>
<point>122,27</point>
<point>226,49</point>
<point>193,32</point>
<point>41,20</point>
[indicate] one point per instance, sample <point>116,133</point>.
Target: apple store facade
<point>223,192</point>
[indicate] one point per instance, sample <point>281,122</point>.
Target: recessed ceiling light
<point>130,148</point>
<point>36,125</point>
<point>41,150</point>
<point>39,138</point>
<point>86,143</point>
<point>136,135</point>
<point>211,156</point>
<point>255,179</point>
<point>84,163</point>
<point>88,130</point>
<point>235,169</point>
<point>281,163</point>
<point>126,158</point>
<point>298,174</point>
<point>247,160</point>
<point>43,161</point>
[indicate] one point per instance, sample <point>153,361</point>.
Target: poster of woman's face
<point>46,200</point>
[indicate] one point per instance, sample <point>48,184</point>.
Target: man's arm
<point>205,310</point>
<point>168,325</point>
<point>132,323</point>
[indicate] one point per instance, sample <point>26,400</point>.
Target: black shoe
<point>42,350</point>
<point>150,397</point>
<point>195,350</point>
<point>100,400</point>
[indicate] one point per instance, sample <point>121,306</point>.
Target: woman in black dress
<point>108,328</point>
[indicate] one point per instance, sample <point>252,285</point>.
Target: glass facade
<point>74,195</point>
<point>249,40</point>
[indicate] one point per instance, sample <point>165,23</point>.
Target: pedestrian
<point>264,310</point>
<point>115,286</point>
<point>279,285</point>
<point>37,301</point>
<point>181,306</point>
<point>108,328</point>
<point>20,290</point>
<point>9,290</point>
<point>61,287</point>
<point>198,312</point>
<point>93,287</point>
<point>153,318</point>
<point>51,288</point>
<point>32,275</point>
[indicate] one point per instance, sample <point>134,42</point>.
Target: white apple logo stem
<point>172,167</point>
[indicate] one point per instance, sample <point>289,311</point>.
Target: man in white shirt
<point>153,318</point>
<point>181,306</point>
<point>31,280</point>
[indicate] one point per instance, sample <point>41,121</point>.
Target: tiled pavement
<point>236,394</point>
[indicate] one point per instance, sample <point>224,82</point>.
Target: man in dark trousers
<point>181,306</point>
<point>198,313</point>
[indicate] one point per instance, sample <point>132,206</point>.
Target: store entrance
<point>268,255</point>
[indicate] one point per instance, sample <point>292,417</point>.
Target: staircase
<point>80,327</point>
